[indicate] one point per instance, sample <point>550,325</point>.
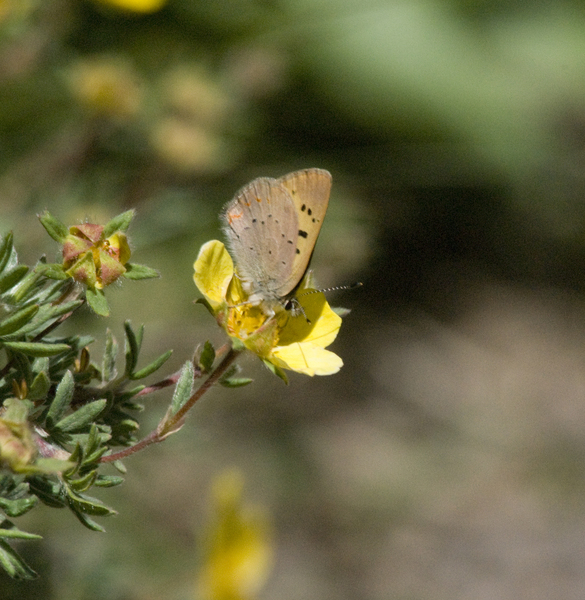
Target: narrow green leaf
<point>14,533</point>
<point>108,480</point>
<point>18,319</point>
<point>119,223</point>
<point>110,355</point>
<point>48,466</point>
<point>94,456</point>
<point>48,491</point>
<point>21,292</point>
<point>276,370</point>
<point>46,313</point>
<point>82,484</point>
<point>87,522</point>
<point>140,336</point>
<point>82,417</point>
<point>15,508</point>
<point>55,228</point>
<point>10,278</point>
<point>62,400</point>
<point>88,505</point>
<point>8,256</point>
<point>235,382</point>
<point>37,348</point>
<point>97,302</point>
<point>52,271</point>
<point>184,387</point>
<point>77,453</point>
<point>132,348</point>
<point>207,357</point>
<point>39,387</point>
<point>13,563</point>
<point>136,272</point>
<point>61,309</point>
<point>120,467</point>
<point>152,367</point>
<point>93,439</point>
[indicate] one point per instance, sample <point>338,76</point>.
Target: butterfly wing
<point>261,226</point>
<point>309,190</point>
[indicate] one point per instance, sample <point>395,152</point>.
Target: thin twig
<point>170,424</point>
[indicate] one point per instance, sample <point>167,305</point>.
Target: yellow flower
<point>137,6</point>
<point>238,546</point>
<point>294,340</point>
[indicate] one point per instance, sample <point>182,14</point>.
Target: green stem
<point>170,424</point>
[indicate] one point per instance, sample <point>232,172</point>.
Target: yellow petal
<point>307,358</point>
<point>214,270</point>
<point>319,324</point>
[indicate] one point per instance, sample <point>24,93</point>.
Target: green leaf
<point>62,400</point>
<point>39,387</point>
<point>207,357</point>
<point>82,417</point>
<point>93,440</point>
<point>87,522</point>
<point>206,304</point>
<point>110,355</point>
<point>48,466</point>
<point>184,387</point>
<point>57,310</point>
<point>25,286</point>
<point>6,250</point>
<point>9,279</point>
<point>82,484</point>
<point>97,302</point>
<point>88,505</point>
<point>55,228</point>
<point>13,563</point>
<point>53,271</point>
<point>108,480</point>
<point>15,508</point>
<point>276,370</point>
<point>18,319</point>
<point>8,530</point>
<point>41,365</point>
<point>133,343</point>
<point>136,272</point>
<point>95,456</point>
<point>46,313</point>
<point>37,348</point>
<point>118,223</point>
<point>120,467</point>
<point>235,382</point>
<point>156,364</point>
<point>49,491</point>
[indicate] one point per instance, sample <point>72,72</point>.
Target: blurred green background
<point>446,460</point>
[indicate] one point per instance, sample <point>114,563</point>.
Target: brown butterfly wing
<point>309,189</point>
<point>261,226</point>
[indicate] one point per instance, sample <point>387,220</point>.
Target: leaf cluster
<point>60,413</point>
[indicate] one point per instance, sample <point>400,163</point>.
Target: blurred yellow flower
<point>293,340</point>
<point>106,85</point>
<point>238,551</point>
<point>138,6</point>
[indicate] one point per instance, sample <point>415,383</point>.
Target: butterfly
<point>272,226</point>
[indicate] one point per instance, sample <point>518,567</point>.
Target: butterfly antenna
<point>351,286</point>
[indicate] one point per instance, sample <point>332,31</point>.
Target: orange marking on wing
<point>232,216</point>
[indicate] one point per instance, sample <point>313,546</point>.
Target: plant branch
<point>172,423</point>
